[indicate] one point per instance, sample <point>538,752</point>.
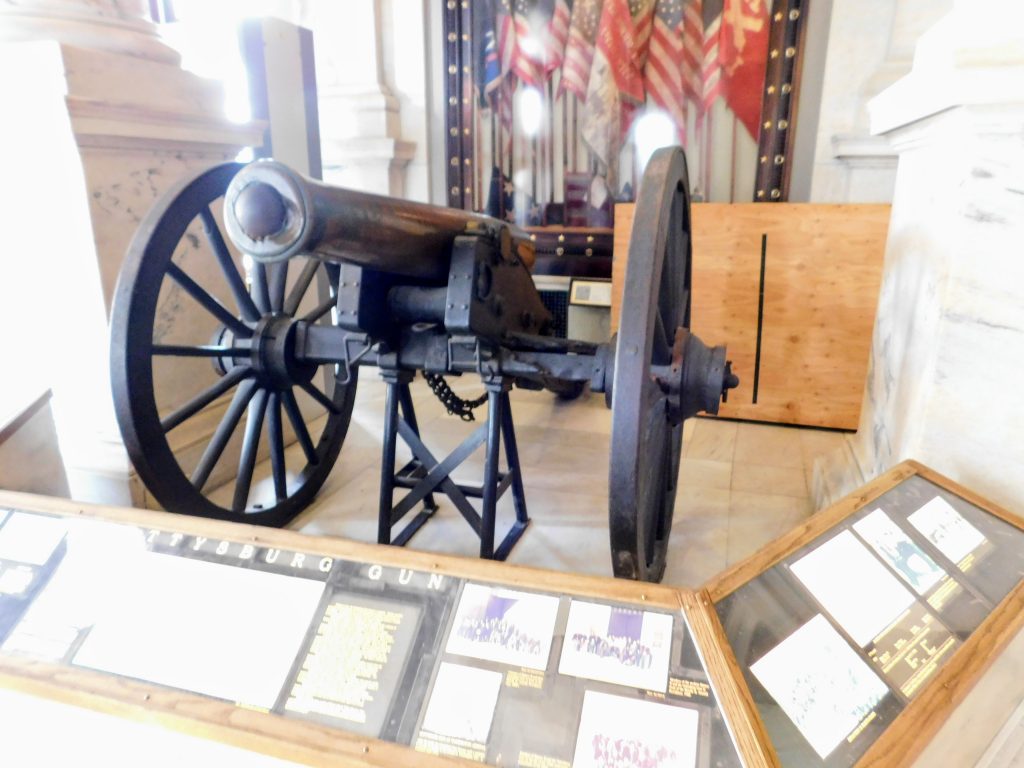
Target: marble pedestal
<point>947,362</point>
<point>89,140</point>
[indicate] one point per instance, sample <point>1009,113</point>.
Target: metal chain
<point>454,404</point>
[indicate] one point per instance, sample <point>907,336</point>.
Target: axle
<point>695,381</point>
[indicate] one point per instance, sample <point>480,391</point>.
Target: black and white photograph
<point>946,528</point>
<point>617,645</point>
<point>861,594</point>
<point>504,625</point>
<point>462,703</point>
<point>820,682</point>
<point>894,546</point>
<point>617,732</point>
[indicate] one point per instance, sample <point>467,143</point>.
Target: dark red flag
<point>616,87</point>
<point>622,36</point>
<point>743,55</point>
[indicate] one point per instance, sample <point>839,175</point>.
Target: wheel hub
<point>273,353</point>
<point>698,378</point>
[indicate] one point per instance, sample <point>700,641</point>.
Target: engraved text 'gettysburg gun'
<point>225,349</point>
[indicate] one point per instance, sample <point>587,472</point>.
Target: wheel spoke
<point>278,283</point>
<point>276,436</point>
<point>301,433</point>
<point>250,445</point>
<point>227,266</point>
<point>260,289</point>
<point>661,347</point>
<point>298,291</point>
<point>320,311</point>
<point>319,396</point>
<point>204,350</point>
<point>208,302</point>
<point>667,305</point>
<point>222,434</point>
<point>687,278</point>
<point>204,398</point>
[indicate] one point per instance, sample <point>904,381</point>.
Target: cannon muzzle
<point>273,213</point>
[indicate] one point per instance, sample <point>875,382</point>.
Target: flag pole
<point>732,168</point>
<point>565,147</point>
<point>706,151</point>
<point>551,142</point>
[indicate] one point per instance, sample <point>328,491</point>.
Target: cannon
<point>239,328</point>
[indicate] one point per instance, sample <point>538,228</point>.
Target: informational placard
<point>355,662</point>
<point>840,636</point>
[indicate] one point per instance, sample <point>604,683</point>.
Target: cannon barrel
<point>273,213</point>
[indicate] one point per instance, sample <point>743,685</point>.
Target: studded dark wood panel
<point>779,102</point>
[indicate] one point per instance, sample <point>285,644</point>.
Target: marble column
<point>947,361</point>
<point>870,46</point>
<point>99,119</point>
<point>360,125</point>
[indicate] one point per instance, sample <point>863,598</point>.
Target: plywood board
<point>822,277</point>
<point>822,272</point>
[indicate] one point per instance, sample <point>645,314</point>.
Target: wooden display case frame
<point>914,728</point>
<point>311,743</point>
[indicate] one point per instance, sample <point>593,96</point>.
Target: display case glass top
<point>447,658</point>
<point>843,630</point>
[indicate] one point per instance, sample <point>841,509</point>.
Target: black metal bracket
<point>424,474</point>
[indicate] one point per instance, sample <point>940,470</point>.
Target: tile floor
<point>741,484</point>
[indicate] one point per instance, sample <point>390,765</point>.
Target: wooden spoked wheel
<point>206,387</point>
<point>646,440</point>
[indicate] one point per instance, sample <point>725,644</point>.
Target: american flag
<point>557,34</point>
<point>579,50</point>
<point>532,20</point>
<point>711,70</point>
<point>663,73</point>
<point>693,52</point>
<point>498,13</point>
<point>487,64</point>
<point>505,28</point>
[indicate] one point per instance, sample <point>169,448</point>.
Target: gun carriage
<point>335,280</point>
